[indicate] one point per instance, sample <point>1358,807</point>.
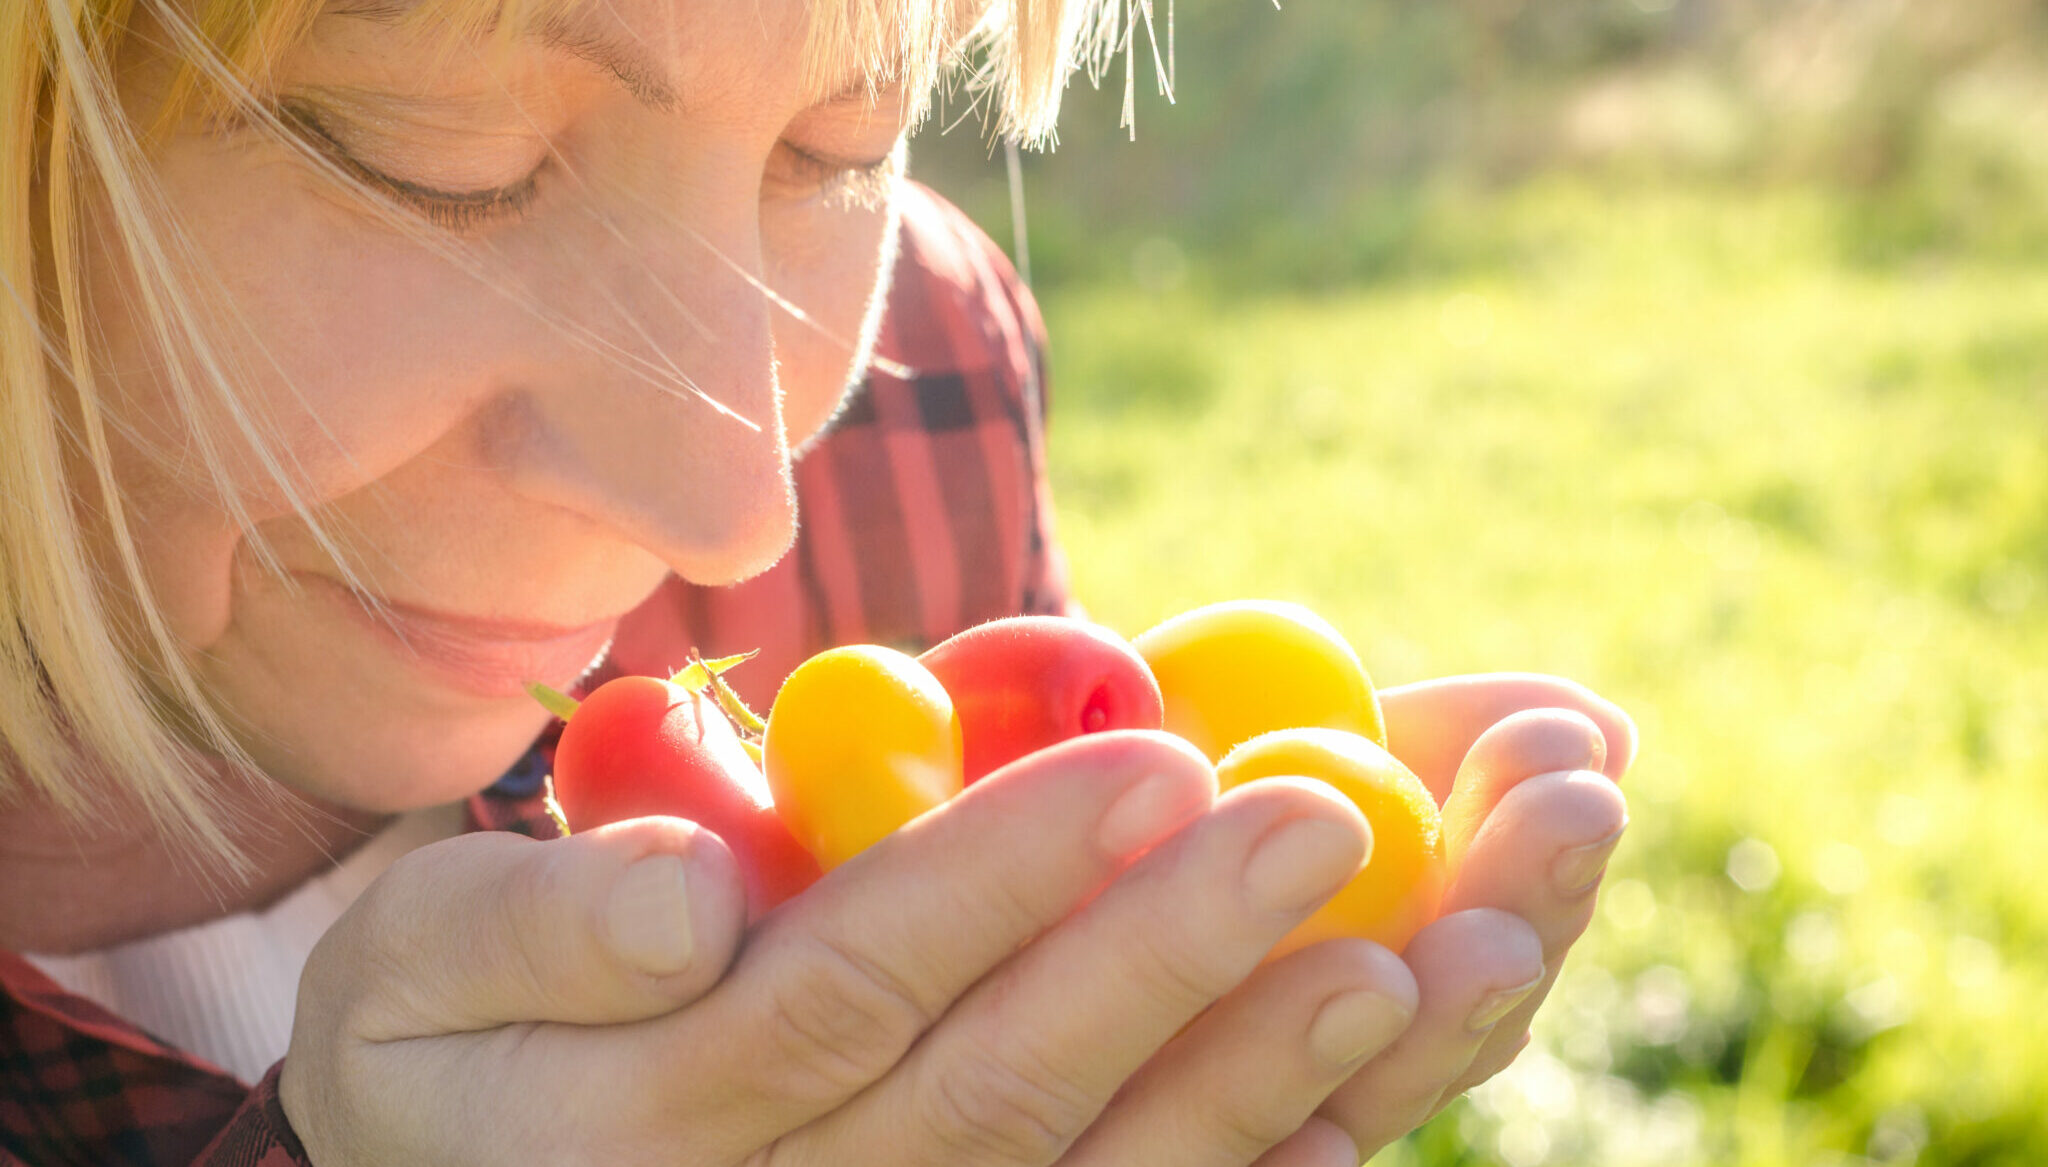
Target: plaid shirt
<point>924,511</point>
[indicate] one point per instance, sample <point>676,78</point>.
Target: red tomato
<point>1027,682</point>
<point>643,746</point>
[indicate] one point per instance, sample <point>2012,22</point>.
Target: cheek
<point>353,350</point>
<point>335,380</point>
<point>830,265</point>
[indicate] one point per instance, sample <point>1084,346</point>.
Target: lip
<point>483,657</point>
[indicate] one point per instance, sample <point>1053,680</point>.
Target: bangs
<point>239,42</point>
<point>1023,49</point>
<point>914,45</point>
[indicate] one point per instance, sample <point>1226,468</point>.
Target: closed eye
<point>461,210</point>
<point>864,182</point>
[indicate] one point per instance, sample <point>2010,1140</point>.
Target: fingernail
<point>1578,869</point>
<point>649,916</point>
<point>1353,1026</point>
<point>1143,814</point>
<point>1501,1004</point>
<point>1301,863</point>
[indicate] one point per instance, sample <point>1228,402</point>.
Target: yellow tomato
<point>1402,884</point>
<point>861,740</point>
<point>1231,671</point>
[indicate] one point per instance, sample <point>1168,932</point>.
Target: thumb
<point>617,924</point>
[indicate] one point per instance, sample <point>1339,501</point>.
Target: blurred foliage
<point>1695,348</point>
<point>1791,512</point>
<point>1315,146</point>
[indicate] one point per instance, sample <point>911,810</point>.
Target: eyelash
<point>860,183</point>
<point>451,210</point>
<point>857,184</point>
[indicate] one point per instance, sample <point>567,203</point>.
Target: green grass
<point>1790,508</point>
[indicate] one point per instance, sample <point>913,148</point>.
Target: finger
<point>1239,1084</point>
<point>1503,1046</point>
<point>1471,969</point>
<point>1431,724</point>
<point>617,924</point>
<point>1522,744</point>
<point>1028,1059</point>
<point>1540,855</point>
<point>1319,1143</point>
<point>837,984</point>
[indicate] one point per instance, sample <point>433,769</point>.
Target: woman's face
<point>507,423</point>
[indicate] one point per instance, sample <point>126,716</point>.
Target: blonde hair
<point>81,693</point>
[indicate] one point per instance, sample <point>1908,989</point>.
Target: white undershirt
<point>224,990</point>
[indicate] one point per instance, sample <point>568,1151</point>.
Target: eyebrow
<point>639,76</point>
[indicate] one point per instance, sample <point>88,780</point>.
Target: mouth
<point>480,656</point>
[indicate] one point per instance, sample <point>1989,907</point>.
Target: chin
<point>394,767</point>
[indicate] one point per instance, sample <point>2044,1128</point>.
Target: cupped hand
<point>1526,768</point>
<point>1060,965</point>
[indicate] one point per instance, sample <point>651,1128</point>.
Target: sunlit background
<point>1694,348</point>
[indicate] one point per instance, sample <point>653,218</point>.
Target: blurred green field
<point>1789,509</point>
<point>1697,349</point>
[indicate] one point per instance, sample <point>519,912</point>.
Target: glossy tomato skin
<point>1234,670</point>
<point>643,746</point>
<point>861,740</point>
<point>1027,682</point>
<point>1401,886</point>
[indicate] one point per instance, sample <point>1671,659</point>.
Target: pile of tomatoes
<point>861,740</point>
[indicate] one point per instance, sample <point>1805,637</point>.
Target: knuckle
<point>382,903</point>
<point>360,971</point>
<point>1565,929</point>
<point>1495,1057</point>
<point>529,918</point>
<point>842,1022</point>
<point>1405,1123</point>
<point>1384,1104</point>
<point>1401,1117</point>
<point>1179,970</point>
<point>1243,1129</point>
<point>1006,1107</point>
<point>1011,908</point>
<point>412,957</point>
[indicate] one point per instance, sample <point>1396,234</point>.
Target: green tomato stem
<point>553,700</point>
<point>749,722</point>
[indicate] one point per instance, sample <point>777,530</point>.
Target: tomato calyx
<point>698,676</point>
<point>701,674</point>
<point>563,706</point>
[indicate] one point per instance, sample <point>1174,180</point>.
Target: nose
<point>655,411</point>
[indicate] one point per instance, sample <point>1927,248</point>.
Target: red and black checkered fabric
<point>923,510</point>
<point>80,1087</point>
